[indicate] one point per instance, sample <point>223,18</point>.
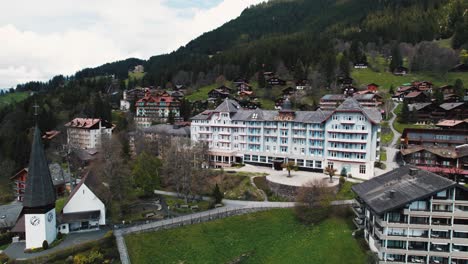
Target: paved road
<point>16,250</point>
<point>392,148</point>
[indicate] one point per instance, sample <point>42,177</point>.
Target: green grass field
<point>12,97</point>
<point>267,237</point>
<point>387,79</point>
<point>345,192</point>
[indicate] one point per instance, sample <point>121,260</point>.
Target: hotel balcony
<point>358,211</point>
<point>358,222</point>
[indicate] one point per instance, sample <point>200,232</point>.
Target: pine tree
<point>261,80</point>
<point>217,194</point>
<point>397,60</point>
<point>171,118</point>
<point>405,112</point>
<point>458,88</point>
<point>391,90</point>
<point>344,64</point>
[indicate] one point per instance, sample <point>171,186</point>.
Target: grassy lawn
<point>12,97</point>
<point>267,237</point>
<point>202,93</point>
<point>383,155</point>
<point>173,201</point>
<point>387,135</point>
<point>135,76</point>
<point>345,192</point>
<point>3,247</point>
<point>387,79</point>
<point>241,188</point>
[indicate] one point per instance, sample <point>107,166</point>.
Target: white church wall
<point>85,200</point>
<point>38,229</point>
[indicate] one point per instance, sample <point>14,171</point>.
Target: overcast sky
<point>40,39</point>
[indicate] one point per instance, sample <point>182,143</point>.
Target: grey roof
<point>350,104</point>
<point>318,116</point>
<point>334,97</point>
<point>376,192</point>
<point>368,96</point>
<point>450,106</point>
<point>59,175</point>
<point>168,130</point>
<point>10,212</point>
<point>39,190</point>
<point>228,106</point>
<point>418,106</point>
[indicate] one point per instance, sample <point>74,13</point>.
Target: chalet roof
<point>58,175</point>
<point>366,96</point>
<point>411,150</point>
<point>373,84</point>
<point>413,94</point>
<point>449,123</point>
<point>228,106</point>
<point>39,190</point>
<point>462,150</point>
<point>450,106</point>
<point>334,97</point>
<point>397,188</point>
<point>418,106</point>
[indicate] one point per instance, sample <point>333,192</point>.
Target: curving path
<point>391,149</point>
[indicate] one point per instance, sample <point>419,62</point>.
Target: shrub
<point>109,234</point>
<point>59,235</point>
<point>5,238</point>
<point>45,245</point>
<point>4,258</point>
<point>217,194</point>
<point>350,175</point>
<point>343,172</point>
<point>342,181</point>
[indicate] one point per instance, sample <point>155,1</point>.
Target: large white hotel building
<point>346,138</point>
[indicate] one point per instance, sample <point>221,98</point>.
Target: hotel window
<point>346,155</point>
<point>363,146</point>
<point>350,118</point>
<point>360,156</point>
<point>267,148</point>
<point>362,118</point>
<point>318,164</point>
<point>310,163</point>
<point>335,117</point>
<point>254,158</point>
<point>330,165</point>
<point>302,150</point>
<point>263,159</point>
<point>284,149</point>
<point>300,162</point>
<point>362,169</point>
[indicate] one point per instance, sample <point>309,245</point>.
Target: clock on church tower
<point>39,198</point>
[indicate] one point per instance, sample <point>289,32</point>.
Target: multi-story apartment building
<point>156,109</point>
<point>87,133</point>
<point>346,138</point>
<point>414,216</point>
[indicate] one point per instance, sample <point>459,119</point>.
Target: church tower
<point>39,198</point>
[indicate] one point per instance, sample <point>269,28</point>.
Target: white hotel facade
<point>344,138</point>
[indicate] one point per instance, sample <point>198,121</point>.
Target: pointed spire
<point>39,191</point>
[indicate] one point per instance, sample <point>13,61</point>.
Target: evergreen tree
<point>217,195</point>
<point>438,96</point>
<point>397,60</point>
<point>391,90</point>
<point>405,112</point>
<point>299,71</point>
<point>261,80</point>
<point>345,64</point>
<point>458,87</point>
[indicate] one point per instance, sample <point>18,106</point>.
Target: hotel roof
<point>319,116</point>
<point>398,187</point>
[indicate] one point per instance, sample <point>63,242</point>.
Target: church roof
<point>94,184</point>
<point>39,190</point>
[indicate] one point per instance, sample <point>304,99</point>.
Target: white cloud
<point>53,37</point>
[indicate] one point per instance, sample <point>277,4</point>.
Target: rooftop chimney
<point>413,171</point>
<point>392,193</point>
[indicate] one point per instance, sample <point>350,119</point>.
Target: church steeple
<point>39,190</point>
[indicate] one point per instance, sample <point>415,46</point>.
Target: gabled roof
<point>397,188</point>
<point>413,94</point>
<point>418,106</point>
<point>350,104</point>
<point>228,106</point>
<point>450,106</point>
<point>449,123</point>
<point>39,190</point>
<point>94,184</point>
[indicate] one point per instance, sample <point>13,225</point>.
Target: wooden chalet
<point>276,81</point>
<point>401,71</point>
<point>462,67</point>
